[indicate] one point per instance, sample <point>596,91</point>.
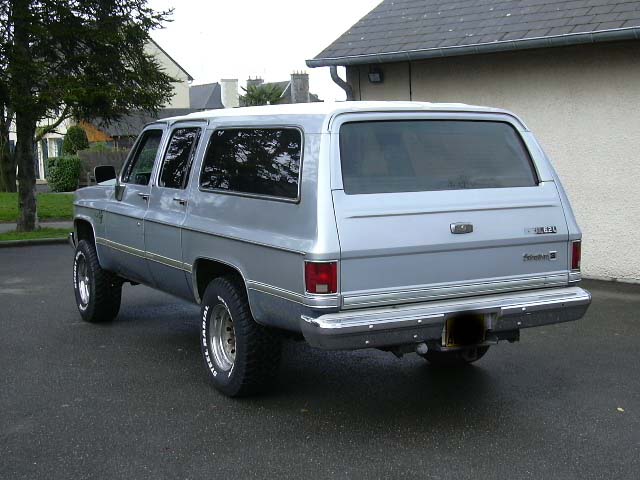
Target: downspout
<point>341,83</point>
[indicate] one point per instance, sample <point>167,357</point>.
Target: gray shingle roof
<point>399,30</point>
<point>205,97</point>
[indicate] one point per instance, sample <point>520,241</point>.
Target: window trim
<point>192,156</point>
<point>134,152</point>
<point>532,164</point>
<point>259,196</point>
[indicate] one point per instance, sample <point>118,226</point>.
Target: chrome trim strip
<point>453,290</point>
<point>314,301</point>
<point>504,305</point>
<point>575,277</point>
<point>154,257</point>
<point>169,262</point>
<point>120,247</point>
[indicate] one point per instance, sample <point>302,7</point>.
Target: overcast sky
<point>213,39</point>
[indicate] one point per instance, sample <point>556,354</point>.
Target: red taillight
<point>576,254</point>
<point>321,277</point>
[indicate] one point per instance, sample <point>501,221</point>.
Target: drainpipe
<point>341,83</point>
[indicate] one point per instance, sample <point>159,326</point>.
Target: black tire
<point>98,292</point>
<point>241,356</point>
<point>455,358</point>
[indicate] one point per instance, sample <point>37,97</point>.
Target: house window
<point>254,161</point>
<point>58,146</point>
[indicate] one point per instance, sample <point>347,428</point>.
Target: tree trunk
<point>7,165</point>
<point>7,159</point>
<point>7,170</point>
<point>25,156</point>
<point>25,107</point>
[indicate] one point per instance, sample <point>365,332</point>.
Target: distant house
<point>295,90</point>
<point>223,94</point>
<point>51,144</point>
<point>123,133</point>
<point>571,68</point>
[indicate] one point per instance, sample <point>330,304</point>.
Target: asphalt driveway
<point>131,399</point>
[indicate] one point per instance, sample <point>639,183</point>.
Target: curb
<point>33,242</point>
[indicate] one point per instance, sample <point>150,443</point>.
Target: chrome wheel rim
<point>82,279</point>
<point>222,337</point>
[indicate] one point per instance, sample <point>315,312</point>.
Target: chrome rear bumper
<point>416,323</point>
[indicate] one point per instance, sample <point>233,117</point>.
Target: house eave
<point>599,36</point>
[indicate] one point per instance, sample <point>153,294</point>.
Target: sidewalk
<point>8,227</point>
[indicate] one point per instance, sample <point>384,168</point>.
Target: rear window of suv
<point>427,155</point>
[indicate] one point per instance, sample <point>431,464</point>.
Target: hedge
<point>64,173</point>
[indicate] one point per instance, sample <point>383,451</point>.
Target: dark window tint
<point>263,161</point>
<point>138,170</point>
<point>424,155</point>
<point>177,160</point>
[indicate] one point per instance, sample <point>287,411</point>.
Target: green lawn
<point>38,234</point>
<point>51,206</point>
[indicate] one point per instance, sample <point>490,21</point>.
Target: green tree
<point>267,94</point>
<point>74,140</point>
<point>84,58</point>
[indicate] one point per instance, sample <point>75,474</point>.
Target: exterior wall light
<point>376,76</point>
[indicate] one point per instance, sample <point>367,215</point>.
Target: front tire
<point>241,356</point>
<point>98,292</point>
<point>455,358</point>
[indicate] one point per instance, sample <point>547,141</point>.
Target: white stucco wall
<point>583,104</point>
<point>181,86</point>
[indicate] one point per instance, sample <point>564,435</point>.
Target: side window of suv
<point>253,161</point>
<point>138,170</point>
<point>178,158</point>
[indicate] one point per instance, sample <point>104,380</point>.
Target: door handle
<point>144,196</point>
<point>181,201</point>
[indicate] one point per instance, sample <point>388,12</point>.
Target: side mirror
<point>104,173</point>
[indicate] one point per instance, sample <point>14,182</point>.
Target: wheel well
<point>84,231</point>
<point>206,270</point>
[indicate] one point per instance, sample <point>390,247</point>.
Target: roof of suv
<point>331,109</point>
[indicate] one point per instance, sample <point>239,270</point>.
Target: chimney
<point>254,82</point>
<point>229,92</point>
<point>300,88</point>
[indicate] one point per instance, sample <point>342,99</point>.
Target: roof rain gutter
<point>630,33</point>
<point>341,83</point>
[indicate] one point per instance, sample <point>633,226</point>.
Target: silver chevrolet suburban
<point>440,229</point>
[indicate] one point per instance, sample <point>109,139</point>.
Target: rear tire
<point>98,292</point>
<point>241,356</point>
<point>455,358</point>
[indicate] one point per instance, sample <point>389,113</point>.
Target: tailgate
<point>398,248</point>
<point>436,209</point>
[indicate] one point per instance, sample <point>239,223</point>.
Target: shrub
<point>100,147</point>
<point>51,163</point>
<point>64,174</point>
<point>74,140</point>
